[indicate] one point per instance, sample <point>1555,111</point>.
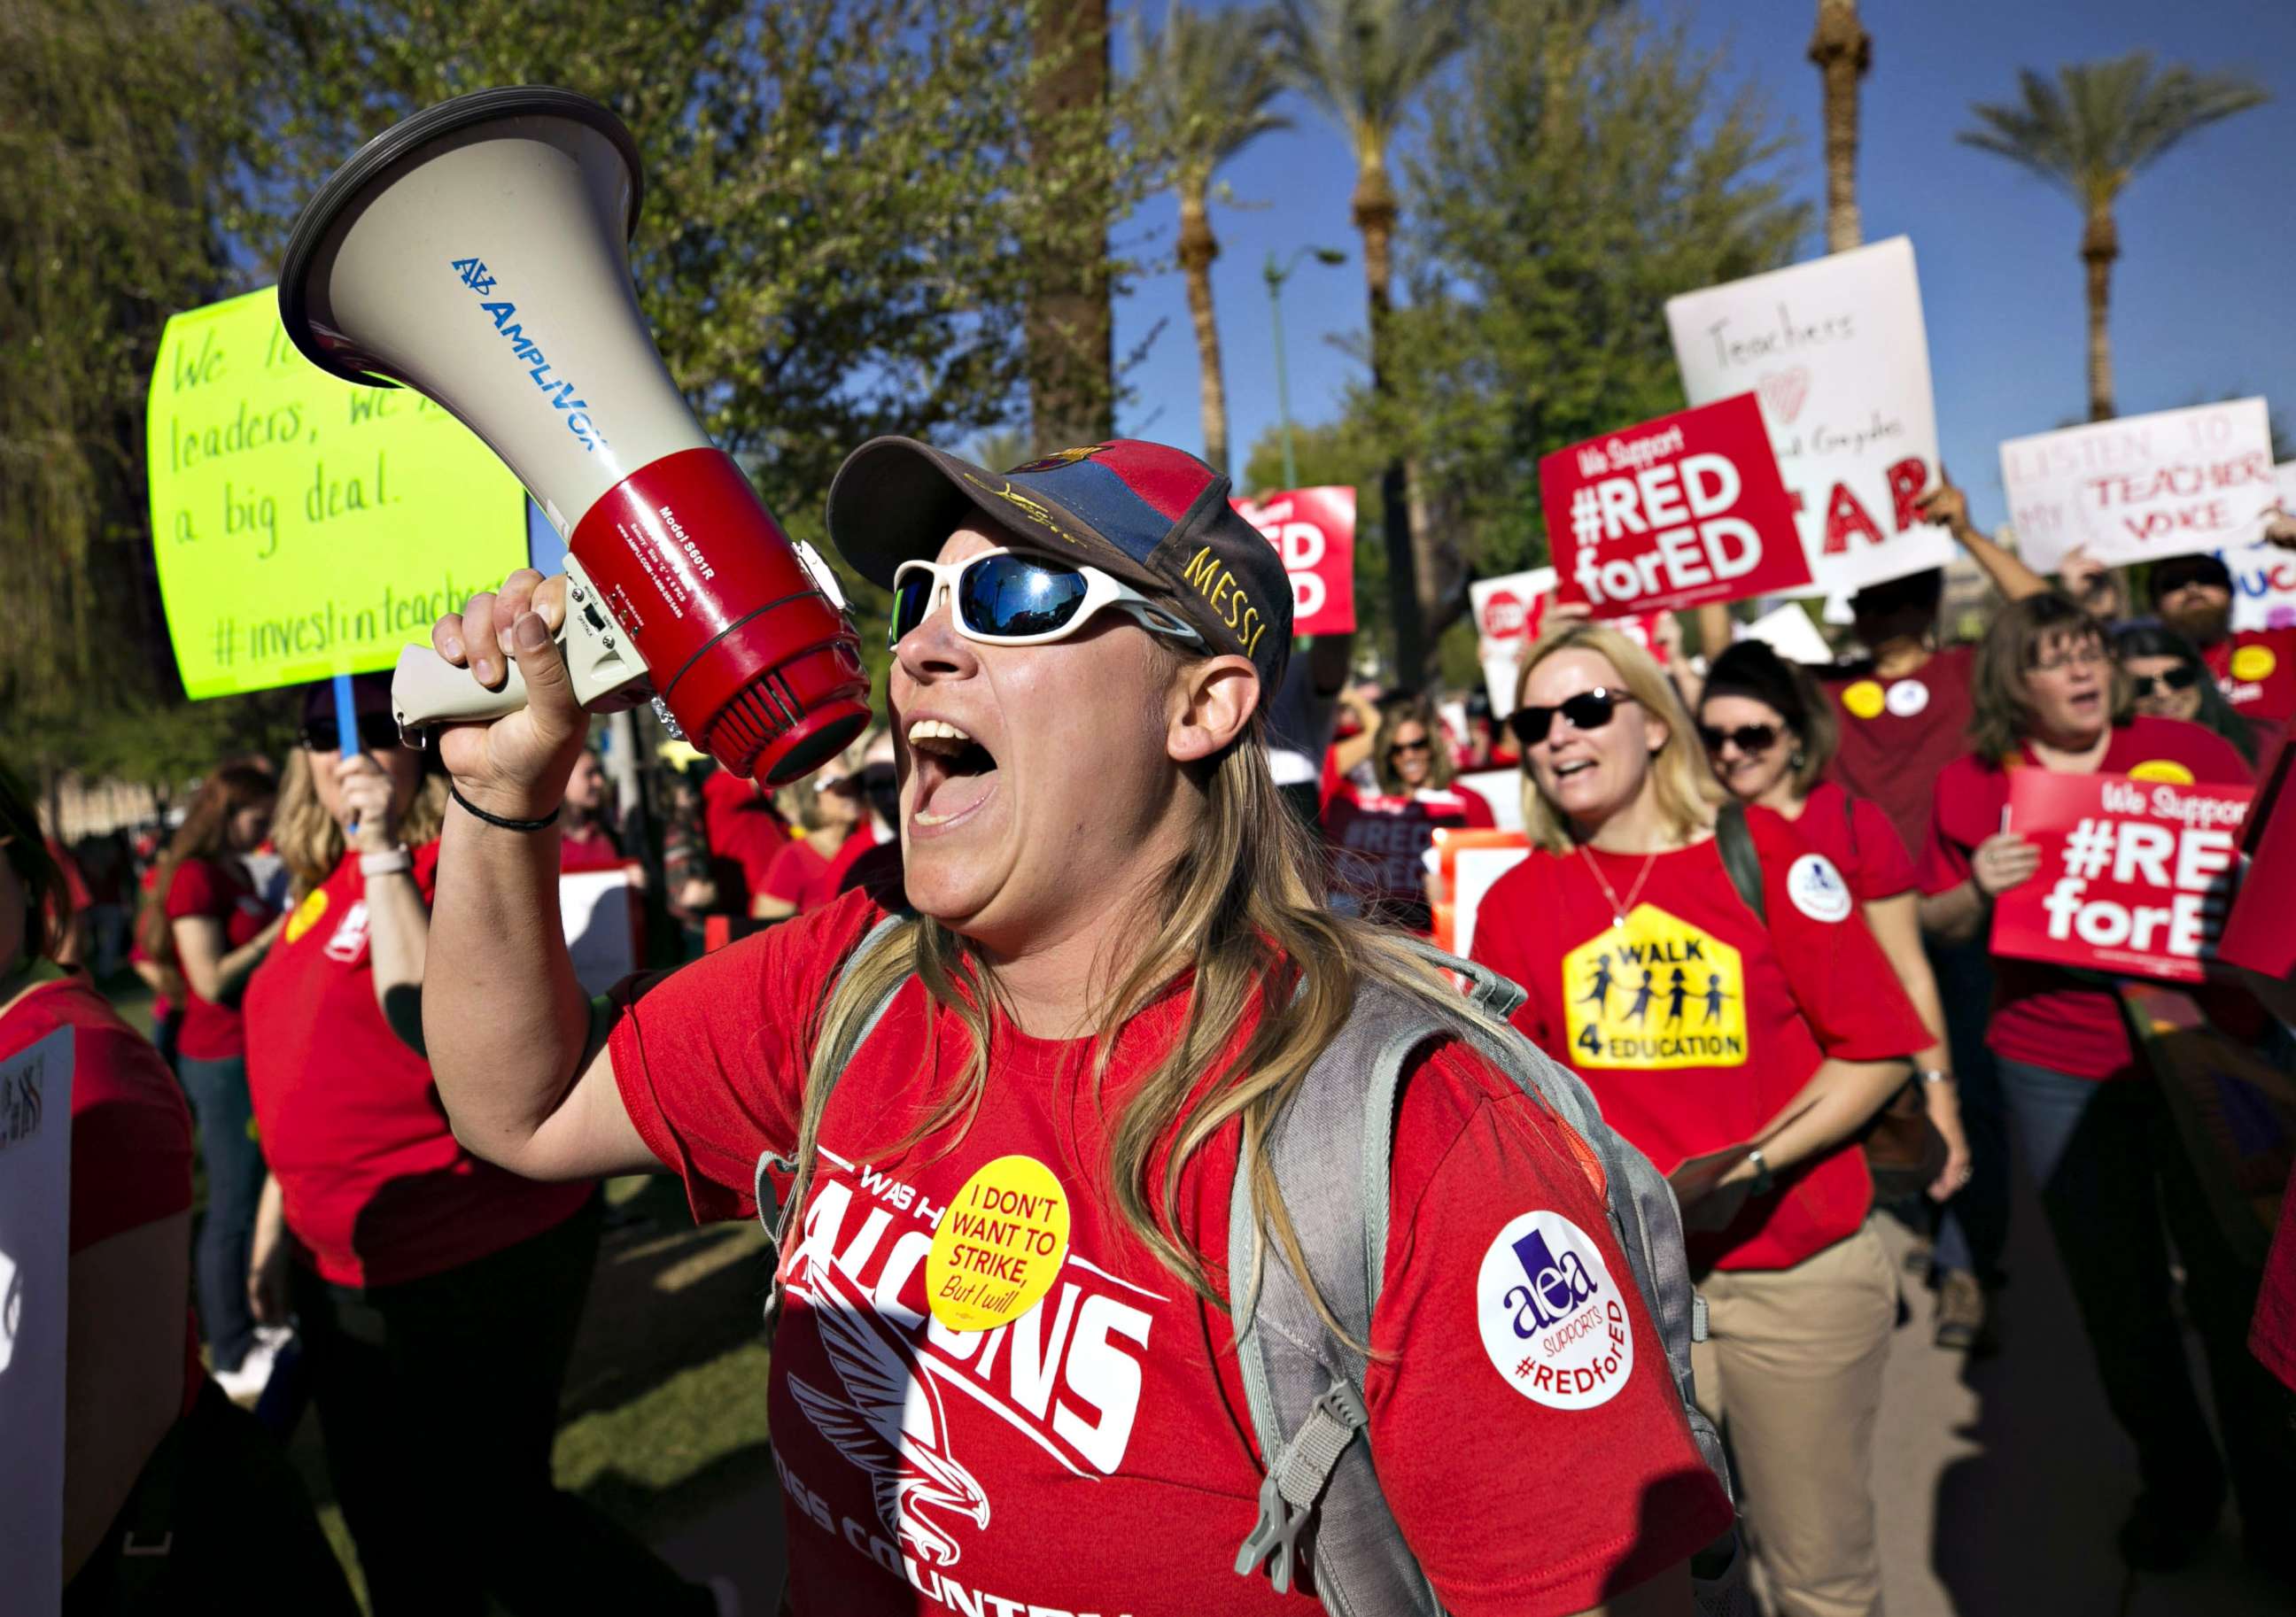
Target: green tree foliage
<point>1594,164</point>
<point>838,194</point>
<point>2089,133</point>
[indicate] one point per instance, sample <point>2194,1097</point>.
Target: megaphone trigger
<point>427,690</point>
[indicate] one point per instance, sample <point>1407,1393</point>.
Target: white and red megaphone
<point>478,254</point>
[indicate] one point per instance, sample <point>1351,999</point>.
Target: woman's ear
<point>1212,702</point>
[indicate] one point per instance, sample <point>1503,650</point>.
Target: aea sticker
<point>1863,699</point>
<point>1817,889</point>
<point>1552,1321</point>
<point>1907,698</point>
<point>2251,664</point>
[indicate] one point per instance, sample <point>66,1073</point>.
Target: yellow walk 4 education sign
<point>1658,993</point>
<point>305,526</point>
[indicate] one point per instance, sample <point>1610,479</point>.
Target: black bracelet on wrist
<point>504,820</point>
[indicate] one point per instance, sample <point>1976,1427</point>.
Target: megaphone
<point>478,253</point>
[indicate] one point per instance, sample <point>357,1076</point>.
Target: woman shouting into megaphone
<point>1016,1118</point>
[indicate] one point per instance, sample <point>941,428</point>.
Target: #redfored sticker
<point>1553,1319</point>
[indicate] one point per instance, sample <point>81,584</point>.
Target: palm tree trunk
<point>2099,245</point>
<point>1198,248</point>
<point>1071,327</point>
<point>1844,52</point>
<point>1374,210</point>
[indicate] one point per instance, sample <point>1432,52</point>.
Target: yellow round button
<point>2167,771</point>
<point>307,914</point>
<point>1865,699</point>
<point>999,1247</point>
<point>2253,663</point>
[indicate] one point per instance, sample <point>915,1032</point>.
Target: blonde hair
<point>310,843</point>
<point>1687,791</point>
<point>1242,910</point>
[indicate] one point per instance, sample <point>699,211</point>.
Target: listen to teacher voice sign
<point>304,526</point>
<point>1676,512</point>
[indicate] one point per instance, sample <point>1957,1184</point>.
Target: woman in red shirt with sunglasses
<point>1377,836</point>
<point>1759,1042</point>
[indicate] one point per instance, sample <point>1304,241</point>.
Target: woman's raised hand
<point>516,765</point>
<point>2002,860</point>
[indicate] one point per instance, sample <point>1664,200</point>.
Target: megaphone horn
<point>478,253</point>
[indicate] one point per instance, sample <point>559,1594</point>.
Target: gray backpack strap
<point>776,1220</point>
<point>1304,1382</point>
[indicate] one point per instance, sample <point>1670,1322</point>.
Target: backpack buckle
<point>1296,1479</point>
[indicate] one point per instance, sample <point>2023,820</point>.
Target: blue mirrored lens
<point>1010,595</point>
<point>911,600</point>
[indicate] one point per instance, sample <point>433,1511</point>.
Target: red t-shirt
<point>219,890</point>
<point>1698,1024</point>
<point>1898,735</point>
<point>588,849</point>
<point>377,1190</point>
<point>2272,1338</point>
<point>131,1133</point>
<point>745,834</point>
<point>1859,838</point>
<point>2046,1015</point>
<point>2255,668</point>
<point>926,1468</point>
<point>802,877</point>
<point>1377,839</point>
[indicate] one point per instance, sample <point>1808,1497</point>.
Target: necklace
<point>1619,910</point>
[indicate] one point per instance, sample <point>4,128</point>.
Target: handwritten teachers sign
<point>1315,528</point>
<point>304,526</point>
<point>1837,351</point>
<point>2143,487</point>
<point>1677,512</point>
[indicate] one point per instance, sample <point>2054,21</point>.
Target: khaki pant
<point>1791,1370</point>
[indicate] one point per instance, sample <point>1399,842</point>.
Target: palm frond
<point>2092,128</point>
<point>1362,61</point>
<point>1206,84</point>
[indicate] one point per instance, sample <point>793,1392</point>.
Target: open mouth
<point>1574,768</point>
<point>955,773</point>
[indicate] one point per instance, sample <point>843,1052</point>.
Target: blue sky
<point>2200,294</point>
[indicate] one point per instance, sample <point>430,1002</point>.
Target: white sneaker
<point>245,1385</point>
<point>274,1336</point>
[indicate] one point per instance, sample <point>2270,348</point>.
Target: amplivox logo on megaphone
<point>478,253</point>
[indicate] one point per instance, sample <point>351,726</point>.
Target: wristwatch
<point>1761,1185</point>
<point>390,862</point>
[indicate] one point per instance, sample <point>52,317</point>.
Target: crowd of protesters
<point>1753,919</point>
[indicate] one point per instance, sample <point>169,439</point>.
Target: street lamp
<point>1277,274</point>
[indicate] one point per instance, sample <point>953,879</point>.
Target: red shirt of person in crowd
<point>1695,1022</point>
<point>1379,837</point>
<point>1124,1380</point>
<point>2255,668</point>
<point>811,870</point>
<point>376,1188</point>
<point>2046,1014</point>
<point>1898,734</point>
<point>746,833</point>
<point>585,840</point>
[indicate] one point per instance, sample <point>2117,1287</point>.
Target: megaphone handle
<point>600,660</point>
<point>428,689</point>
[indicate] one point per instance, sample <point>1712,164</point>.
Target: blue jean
<point>2117,1186</point>
<point>1973,1227</point>
<point>234,1171</point>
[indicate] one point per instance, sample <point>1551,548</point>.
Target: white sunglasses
<point>1002,599</point>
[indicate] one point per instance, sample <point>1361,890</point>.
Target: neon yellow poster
<point>304,526</point>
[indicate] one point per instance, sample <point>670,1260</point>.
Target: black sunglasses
<point>377,732</point>
<point>1589,710</point>
<point>1750,738</point>
<point>1421,746</point>
<point>2184,676</point>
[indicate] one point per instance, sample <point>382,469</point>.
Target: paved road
<point>1998,1481</point>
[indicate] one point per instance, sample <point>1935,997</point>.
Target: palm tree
<point>1363,61</point>
<point>2090,132</point>
<point>1842,50</point>
<point>1204,84</point>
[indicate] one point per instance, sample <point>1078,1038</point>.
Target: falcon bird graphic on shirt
<point>889,1423</point>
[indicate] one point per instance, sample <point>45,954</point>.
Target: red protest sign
<point>1315,528</point>
<point>2136,875</point>
<point>1677,512</point>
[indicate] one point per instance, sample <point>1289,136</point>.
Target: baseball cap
<point>1153,516</point>
<point>2174,572</point>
